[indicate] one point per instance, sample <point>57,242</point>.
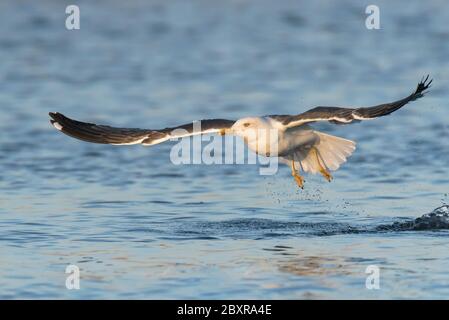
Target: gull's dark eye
<point>246,124</point>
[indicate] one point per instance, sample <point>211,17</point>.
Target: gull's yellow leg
<point>299,180</point>
<point>326,174</point>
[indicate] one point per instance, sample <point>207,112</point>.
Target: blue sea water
<point>140,227</point>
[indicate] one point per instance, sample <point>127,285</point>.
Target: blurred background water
<point>140,227</point>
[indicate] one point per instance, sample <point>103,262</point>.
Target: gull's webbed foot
<point>326,175</point>
<point>299,180</point>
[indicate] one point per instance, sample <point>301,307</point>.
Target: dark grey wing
<point>126,136</point>
<point>347,115</point>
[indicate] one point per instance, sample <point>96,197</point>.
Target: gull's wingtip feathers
<point>53,121</point>
<point>423,85</point>
<point>53,114</point>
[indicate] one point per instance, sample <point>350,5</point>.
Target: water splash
<point>438,219</point>
<point>257,228</point>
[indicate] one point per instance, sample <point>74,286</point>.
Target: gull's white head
<point>248,127</point>
<point>258,133</point>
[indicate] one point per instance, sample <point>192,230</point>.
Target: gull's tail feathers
<point>331,152</point>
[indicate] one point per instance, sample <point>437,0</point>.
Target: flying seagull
<point>296,143</point>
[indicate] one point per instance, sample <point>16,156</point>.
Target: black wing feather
<point>347,115</point>
<point>92,132</point>
<point>95,133</point>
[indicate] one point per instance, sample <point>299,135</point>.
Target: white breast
<point>271,138</point>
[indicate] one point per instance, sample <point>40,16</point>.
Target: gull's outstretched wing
<point>126,136</point>
<point>348,115</point>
